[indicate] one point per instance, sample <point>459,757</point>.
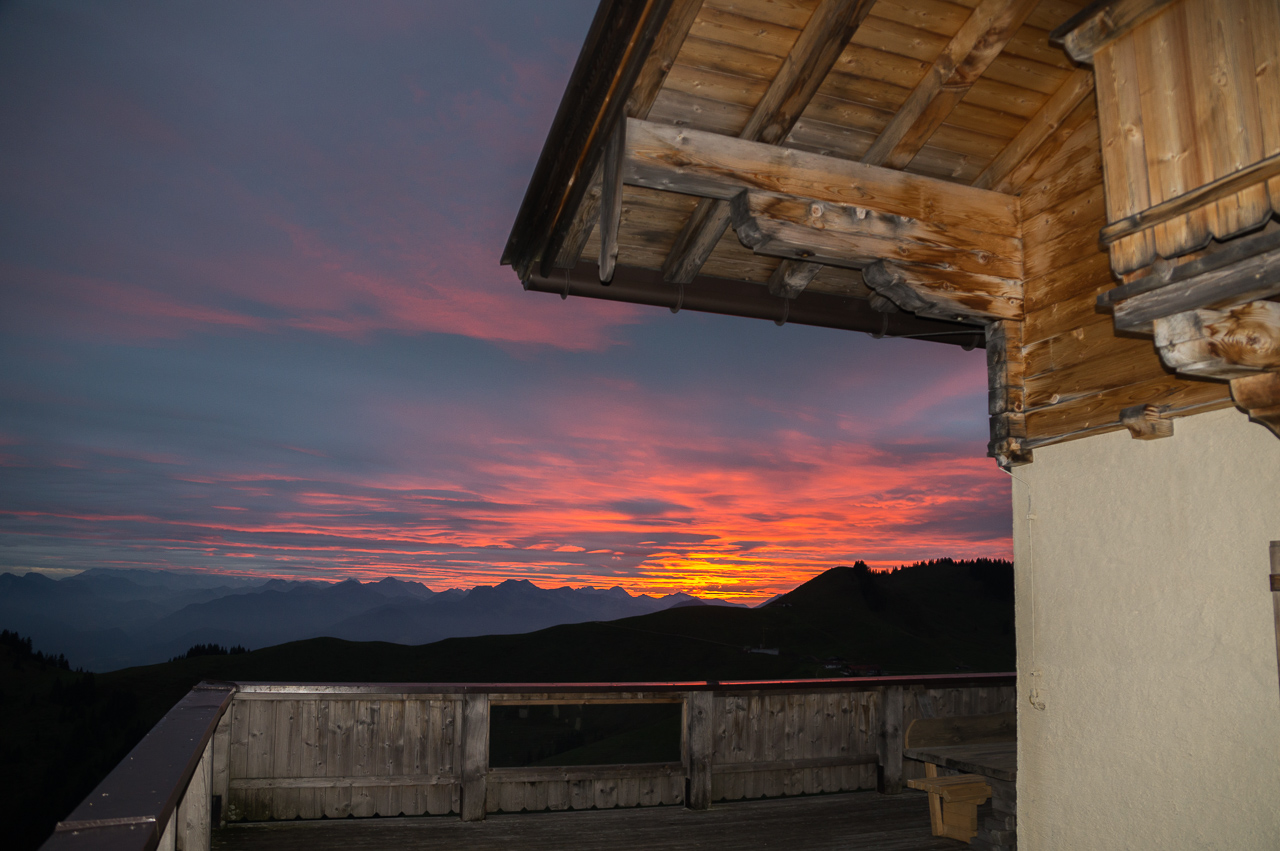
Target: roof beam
<point>820,44</point>
<point>945,293</point>
<point>961,63</point>
<point>742,298</point>
<point>666,47</point>
<point>1069,95</point>
<point>709,165</point>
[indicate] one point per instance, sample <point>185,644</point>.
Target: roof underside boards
<point>962,93</point>
<point>734,49</point>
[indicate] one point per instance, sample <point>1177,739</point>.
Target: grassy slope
<point>929,618</point>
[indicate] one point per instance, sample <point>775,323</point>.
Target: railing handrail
<point>132,805</point>
<point>932,680</point>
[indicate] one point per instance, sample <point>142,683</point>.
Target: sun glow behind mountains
<point>263,331</point>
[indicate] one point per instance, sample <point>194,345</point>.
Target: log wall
<point>1079,373</point>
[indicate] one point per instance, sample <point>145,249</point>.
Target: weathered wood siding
<point>307,757</point>
<point>756,735</point>
<point>292,754</point>
<point>513,790</point>
<point>1190,97</point>
<point>1079,374</point>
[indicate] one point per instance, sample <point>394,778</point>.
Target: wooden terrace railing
<point>259,751</point>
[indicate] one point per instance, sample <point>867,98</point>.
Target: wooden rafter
<point>643,94</point>
<point>791,277</point>
<point>948,80</point>
<point>611,200</point>
<point>1069,95</point>
<point>806,66</point>
<point>611,60</point>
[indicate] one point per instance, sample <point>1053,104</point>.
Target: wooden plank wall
<point>336,756</point>
<point>757,734</point>
<point>1079,374</point>
<point>513,790</point>
<point>1185,107</point>
<point>286,756</point>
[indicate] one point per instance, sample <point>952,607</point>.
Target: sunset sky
<point>252,320</point>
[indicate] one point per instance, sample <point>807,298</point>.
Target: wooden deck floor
<point>853,821</point>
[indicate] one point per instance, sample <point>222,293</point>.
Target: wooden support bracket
<point>1218,344</point>
<point>946,273</point>
<point>1259,397</point>
<point>945,293</point>
<point>1147,422</point>
<point>791,277</point>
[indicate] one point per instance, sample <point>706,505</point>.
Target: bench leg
<point>960,820</point>
<point>935,802</point>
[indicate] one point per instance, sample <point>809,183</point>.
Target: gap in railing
<point>576,734</point>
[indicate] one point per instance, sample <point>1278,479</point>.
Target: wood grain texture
<point>1221,344</point>
<point>715,166</point>
<point>615,51</point>
<point>1102,23</point>
<point>1259,397</point>
<point>657,65</point>
<point>1070,95</point>
<point>815,50</point>
<point>978,41</point>
<point>611,200</point>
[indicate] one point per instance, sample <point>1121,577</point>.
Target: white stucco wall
<point>1143,604</point>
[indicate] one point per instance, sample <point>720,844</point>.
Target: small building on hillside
<point>1091,194</point>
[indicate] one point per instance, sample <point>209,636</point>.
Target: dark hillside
<point>936,617</point>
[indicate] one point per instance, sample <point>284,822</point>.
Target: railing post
<point>698,739</point>
<point>220,777</point>
<point>475,754</point>
<point>889,777</point>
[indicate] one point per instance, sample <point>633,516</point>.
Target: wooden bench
<point>954,800</point>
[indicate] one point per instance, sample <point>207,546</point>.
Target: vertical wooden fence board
<point>310,760</point>
<point>221,778</point>
<point>238,759</point>
<point>738,744</point>
<point>475,755</point>
<point>699,739</point>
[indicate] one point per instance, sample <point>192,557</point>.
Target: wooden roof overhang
<point>923,168</point>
